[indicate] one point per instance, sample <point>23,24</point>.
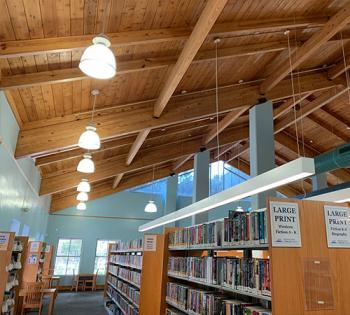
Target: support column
<point>319,181</point>
<point>201,183</point>
<point>170,197</point>
<point>262,146</point>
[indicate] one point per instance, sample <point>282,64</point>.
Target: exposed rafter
<point>141,137</point>
<point>62,133</point>
<point>332,27</point>
<point>117,180</point>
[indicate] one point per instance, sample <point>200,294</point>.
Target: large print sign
<point>285,227</point>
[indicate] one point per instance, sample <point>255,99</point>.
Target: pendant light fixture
<point>84,186</point>
<point>89,139</point>
<point>151,207</point>
<point>98,61</point>
<point>82,196</point>
<point>81,206</point>
<point>86,165</point>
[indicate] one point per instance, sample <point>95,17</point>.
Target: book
<point>125,246</point>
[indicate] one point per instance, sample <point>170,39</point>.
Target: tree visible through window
<point>101,256</point>
<point>68,257</point>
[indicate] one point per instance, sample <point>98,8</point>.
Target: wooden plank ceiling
<point>165,54</point>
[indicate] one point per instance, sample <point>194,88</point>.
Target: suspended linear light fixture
<point>84,186</point>
<point>89,139</point>
<point>151,207</point>
<point>81,206</point>
<point>279,176</point>
<point>86,165</point>
<point>82,196</point>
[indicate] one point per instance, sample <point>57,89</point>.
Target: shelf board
<point>127,266</point>
<point>123,294</point>
<point>173,304</point>
<point>217,248</point>
<point>125,280</point>
<point>223,288</point>
<point>127,251</point>
<point>116,303</point>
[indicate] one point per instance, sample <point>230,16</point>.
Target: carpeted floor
<point>81,303</point>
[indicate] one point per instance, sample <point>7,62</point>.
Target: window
<point>101,256</point>
<point>68,257</point>
<point>185,184</point>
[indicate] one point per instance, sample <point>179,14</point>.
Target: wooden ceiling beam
<point>209,15</point>
<point>140,139</point>
<point>117,180</point>
<point>323,99</point>
<point>130,66</point>
<point>67,199</point>
<point>177,164</point>
<point>146,158</point>
<point>339,68</point>
<point>20,48</point>
<point>288,105</point>
<point>125,120</point>
<point>331,28</point>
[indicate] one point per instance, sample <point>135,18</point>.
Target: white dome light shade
<point>81,206</point>
<point>151,207</point>
<point>89,139</point>
<point>84,186</point>
<point>82,196</point>
<point>98,61</point>
<point>86,165</point>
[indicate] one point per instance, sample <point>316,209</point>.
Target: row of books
<point>123,304</point>
<point>126,274</point>
<point>239,228</point>
<point>130,245</point>
<point>125,288</point>
<point>245,228</point>
<point>134,261</point>
<point>171,311</point>
<point>201,234</point>
<point>197,301</point>
<point>245,274</point>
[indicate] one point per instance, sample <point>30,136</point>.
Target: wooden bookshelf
<point>6,246</point>
<point>48,255</point>
<point>150,289</point>
<point>309,280</point>
<point>33,262</point>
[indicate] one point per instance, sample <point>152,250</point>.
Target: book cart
<point>297,272</point>
<point>12,256</point>
<point>134,278</point>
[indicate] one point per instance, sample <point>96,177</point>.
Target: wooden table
<point>51,292</point>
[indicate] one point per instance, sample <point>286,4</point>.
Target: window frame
<point>68,256</point>
<point>100,256</point>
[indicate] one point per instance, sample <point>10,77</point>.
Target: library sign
<point>285,227</point>
<point>337,226</point>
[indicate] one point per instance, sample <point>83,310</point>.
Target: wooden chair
<point>77,283</point>
<point>32,297</point>
<point>91,283</point>
<point>46,281</point>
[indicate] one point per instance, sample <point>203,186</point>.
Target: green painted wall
<point>16,191</point>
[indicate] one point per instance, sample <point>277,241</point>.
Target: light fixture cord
<point>217,98</point>
<point>345,64</point>
<point>93,108</point>
<point>293,92</point>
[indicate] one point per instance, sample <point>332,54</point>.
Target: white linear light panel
<point>282,175</point>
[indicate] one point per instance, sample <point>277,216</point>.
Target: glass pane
<point>63,247</point>
<point>102,248</point>
<point>60,266</point>
<point>100,265</point>
<point>73,266</point>
<point>75,247</point>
